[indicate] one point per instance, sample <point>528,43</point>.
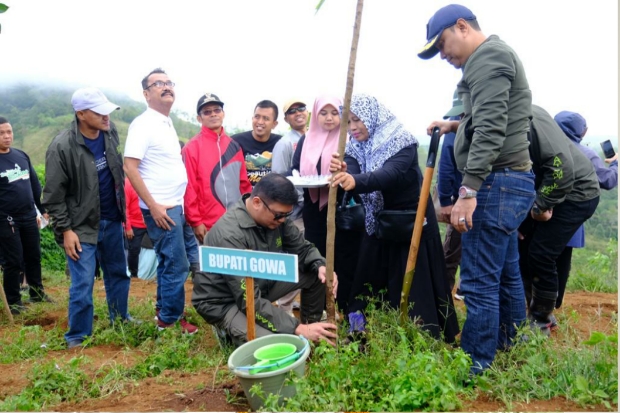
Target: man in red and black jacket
<point>215,166</point>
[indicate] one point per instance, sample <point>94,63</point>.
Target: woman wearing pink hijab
<point>312,157</point>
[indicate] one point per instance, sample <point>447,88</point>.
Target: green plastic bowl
<point>275,352</point>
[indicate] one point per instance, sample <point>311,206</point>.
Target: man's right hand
<point>160,216</point>
<point>445,213</point>
<point>445,126</point>
<point>613,158</point>
<point>129,233</point>
<point>317,332</point>
<point>200,232</point>
<point>72,244</point>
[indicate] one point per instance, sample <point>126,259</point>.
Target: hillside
<point>38,113</point>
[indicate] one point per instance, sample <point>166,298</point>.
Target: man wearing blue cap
<point>497,190</point>
<point>85,198</point>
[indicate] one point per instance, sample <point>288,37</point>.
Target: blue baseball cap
<point>441,20</point>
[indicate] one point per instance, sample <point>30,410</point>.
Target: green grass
<point>401,369</point>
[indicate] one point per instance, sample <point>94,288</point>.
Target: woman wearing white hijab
<point>381,164</point>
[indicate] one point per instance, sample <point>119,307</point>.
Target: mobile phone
<point>608,149</point>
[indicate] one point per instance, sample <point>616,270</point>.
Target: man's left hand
<point>462,214</point>
<point>545,216</point>
<point>322,271</point>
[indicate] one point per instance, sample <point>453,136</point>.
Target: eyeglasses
<point>208,112</point>
<point>159,84</point>
<point>276,215</point>
<point>295,110</point>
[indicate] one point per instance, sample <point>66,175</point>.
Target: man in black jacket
<point>20,242</point>
<point>567,194</point>
<point>84,195</point>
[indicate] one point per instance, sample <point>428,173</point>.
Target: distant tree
<point>3,8</point>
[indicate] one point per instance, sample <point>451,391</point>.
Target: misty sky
<point>249,50</point>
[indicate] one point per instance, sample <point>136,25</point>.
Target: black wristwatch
<point>538,210</point>
<point>465,192</point>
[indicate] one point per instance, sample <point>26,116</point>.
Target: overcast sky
<point>248,50</point>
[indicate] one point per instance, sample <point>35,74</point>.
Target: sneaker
<point>222,337</point>
<point>458,296</point>
<point>543,326</point>
<point>296,305</point>
<point>74,343</point>
<point>133,321</point>
<point>17,308</point>
<point>554,322</point>
<point>186,327</point>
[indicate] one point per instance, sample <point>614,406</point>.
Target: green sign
<point>247,263</point>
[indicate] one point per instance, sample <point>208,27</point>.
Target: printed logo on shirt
<point>101,163</point>
<point>258,165</point>
<point>15,174</point>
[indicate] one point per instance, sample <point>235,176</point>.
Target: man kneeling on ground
<point>259,222</point>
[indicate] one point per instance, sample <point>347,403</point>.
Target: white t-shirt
<point>153,139</point>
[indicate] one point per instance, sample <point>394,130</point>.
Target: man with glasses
<point>258,222</point>
<point>215,169</point>
<point>258,143</point>
<point>155,168</point>
<point>85,198</point>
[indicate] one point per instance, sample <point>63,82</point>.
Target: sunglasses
<point>208,112</point>
<point>295,110</point>
<point>159,84</point>
<point>276,215</point>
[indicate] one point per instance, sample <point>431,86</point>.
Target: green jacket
<point>215,294</point>
<point>497,105</point>
<point>562,171</point>
<point>71,192</point>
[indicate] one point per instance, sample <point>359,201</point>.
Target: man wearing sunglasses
<point>259,222</point>
<point>215,169</point>
<point>155,169</point>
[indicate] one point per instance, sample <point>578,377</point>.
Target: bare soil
<point>176,391</point>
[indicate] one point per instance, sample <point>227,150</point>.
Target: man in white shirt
<point>155,168</point>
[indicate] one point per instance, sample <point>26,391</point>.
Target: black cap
<point>208,98</point>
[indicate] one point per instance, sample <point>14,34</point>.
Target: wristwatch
<point>465,192</point>
<point>538,210</point>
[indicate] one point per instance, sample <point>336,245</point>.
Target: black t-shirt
<point>257,154</point>
<point>20,189</point>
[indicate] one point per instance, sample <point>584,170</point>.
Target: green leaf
<point>595,338</point>
<point>582,384</point>
<point>318,6</point>
<point>4,7</point>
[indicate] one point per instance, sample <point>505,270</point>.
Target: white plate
<point>309,182</point>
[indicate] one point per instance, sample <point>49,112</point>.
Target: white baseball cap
<point>92,99</point>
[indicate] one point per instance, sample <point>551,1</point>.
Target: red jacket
<point>134,214</point>
<point>216,177</point>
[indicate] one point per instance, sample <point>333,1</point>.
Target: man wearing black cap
<point>215,167</point>
<point>497,190</point>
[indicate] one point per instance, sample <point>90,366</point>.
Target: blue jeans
<point>111,254</point>
<point>191,245</point>
<point>490,277</point>
<point>172,266</point>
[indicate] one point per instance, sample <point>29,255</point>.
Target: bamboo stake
<point>331,203</point>
<point>249,307</point>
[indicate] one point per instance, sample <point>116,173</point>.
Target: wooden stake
<point>249,307</point>
<point>6,305</point>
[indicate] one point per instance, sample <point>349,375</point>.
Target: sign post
<point>250,264</point>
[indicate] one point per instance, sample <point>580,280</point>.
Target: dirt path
<point>176,391</point>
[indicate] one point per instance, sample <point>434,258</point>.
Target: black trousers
<point>545,241</point>
<point>20,245</point>
<point>133,255</point>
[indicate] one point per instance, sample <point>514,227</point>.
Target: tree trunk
<point>331,204</point>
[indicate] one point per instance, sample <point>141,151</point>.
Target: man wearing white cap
<point>85,198</point>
